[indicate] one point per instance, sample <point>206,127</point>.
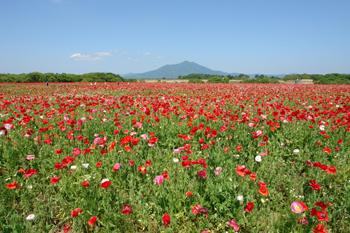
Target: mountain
<point>183,68</point>
<point>173,71</point>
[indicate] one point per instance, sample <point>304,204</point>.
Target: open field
<point>158,157</point>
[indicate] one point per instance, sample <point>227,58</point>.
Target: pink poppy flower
<point>218,170</point>
<point>29,157</point>
<point>116,167</point>
<point>159,180</point>
<point>297,207</point>
<point>234,225</point>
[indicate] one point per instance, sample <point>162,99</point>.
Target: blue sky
<point>81,36</point>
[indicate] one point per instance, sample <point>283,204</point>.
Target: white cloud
<point>101,54</point>
<point>146,53</point>
<point>129,58</point>
<point>125,52</point>
<point>161,57</point>
<point>80,57</point>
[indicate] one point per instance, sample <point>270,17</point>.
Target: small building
<point>306,81</point>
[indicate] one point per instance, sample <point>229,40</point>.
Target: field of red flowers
<point>157,157</point>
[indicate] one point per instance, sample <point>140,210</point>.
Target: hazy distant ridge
<point>183,68</point>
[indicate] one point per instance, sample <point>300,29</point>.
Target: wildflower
<point>249,207</point>
<point>218,170</point>
<point>319,229</point>
<point>327,150</point>
<point>189,194</point>
<point>85,165</point>
<point>263,191</point>
<point>29,157</point>
<point>98,164</point>
<point>159,180</point>
<point>131,162</point>
<point>127,210</point>
<point>92,220</point>
<point>30,217</point>
<point>233,224</point>
<point>296,151</point>
<point>202,173</point>
<point>239,148</point>
<point>76,212</point>
<point>12,185</point>
<point>322,216</point>
<point>253,176</point>
<point>297,207</point>
<point>142,168</point>
<point>332,170</point>
<point>54,180</point>
<point>105,183</point>
<point>240,198</point>
<point>258,158</point>
<point>85,183</point>
<point>303,221</point>
<point>315,185</point>
<point>66,228</point>
<point>166,219</point>
<point>321,204</point>
<point>116,167</point>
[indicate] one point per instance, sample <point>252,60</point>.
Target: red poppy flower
<point>85,183</point>
<point>202,173</point>
<point>148,163</point>
<point>303,221</point>
<point>166,219</point>
<point>226,149</point>
<point>309,163</point>
<point>327,150</point>
<point>313,212</point>
<point>317,164</point>
<point>201,141</point>
<point>263,191</point>
<point>92,220</point>
<point>205,146</point>
<point>189,194</point>
<point>340,141</point>
<point>203,210</point>
<point>239,148</point>
<point>76,212</point>
<point>304,206</point>
<point>322,216</point>
<point>12,185</point>
<point>98,164</point>
<point>127,210</point>
<point>195,209</point>
<point>253,176</point>
<point>319,229</point>
<point>142,168</point>
<point>131,162</point>
<point>249,207</point>
<point>29,172</point>
<point>106,184</point>
<point>321,204</point>
<point>66,228</point>
<point>315,185</point>
<point>165,175</point>
<point>59,151</point>
<point>54,180</point>
<point>332,170</point>
<point>324,167</point>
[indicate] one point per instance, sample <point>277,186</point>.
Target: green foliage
<point>36,77</point>
<point>194,80</point>
<point>218,79</point>
<point>333,78</point>
<point>260,80</point>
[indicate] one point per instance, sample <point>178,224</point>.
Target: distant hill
<point>173,71</point>
<point>183,68</point>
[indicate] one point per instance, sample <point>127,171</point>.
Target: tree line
<point>333,78</point>
<point>37,77</point>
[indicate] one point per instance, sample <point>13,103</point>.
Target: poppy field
<point>161,157</point>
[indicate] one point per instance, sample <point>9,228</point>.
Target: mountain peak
<point>173,71</point>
